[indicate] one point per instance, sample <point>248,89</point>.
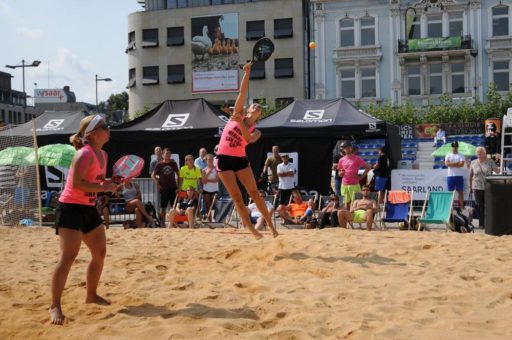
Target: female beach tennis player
<point>76,218</point>
<point>232,162</point>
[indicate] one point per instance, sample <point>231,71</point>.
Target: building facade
<point>411,51</point>
<point>189,49</point>
<point>13,105</point>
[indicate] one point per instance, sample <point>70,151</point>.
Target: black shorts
<point>84,218</point>
<point>284,196</point>
<point>167,196</point>
<point>231,163</point>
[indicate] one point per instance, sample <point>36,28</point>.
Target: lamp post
<point>35,63</point>
<point>97,80</point>
<point>474,54</point>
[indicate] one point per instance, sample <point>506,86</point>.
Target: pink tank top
<point>95,174</point>
<point>232,143</point>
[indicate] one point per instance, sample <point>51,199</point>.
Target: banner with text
<point>421,181</point>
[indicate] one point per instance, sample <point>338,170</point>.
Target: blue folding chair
<point>398,211</point>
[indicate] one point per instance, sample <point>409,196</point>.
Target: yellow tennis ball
<point>312,44</point>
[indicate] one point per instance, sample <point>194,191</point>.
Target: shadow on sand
<point>193,310</point>
<point>362,259</point>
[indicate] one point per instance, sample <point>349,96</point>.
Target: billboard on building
<point>42,96</point>
<point>215,53</point>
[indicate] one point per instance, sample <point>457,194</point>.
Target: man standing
<point>337,178</point>
<point>455,180</point>
<point>164,177</point>
<point>200,161</point>
<point>155,159</point>
<point>271,163</point>
<point>285,173</point>
<point>348,170</point>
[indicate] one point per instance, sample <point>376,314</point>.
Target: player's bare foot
<point>257,234</point>
<point>98,300</point>
<point>56,316</point>
<point>274,232</point>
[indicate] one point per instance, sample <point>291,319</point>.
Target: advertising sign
<point>426,44</point>
<point>215,53</point>
<point>421,181</point>
<point>42,96</point>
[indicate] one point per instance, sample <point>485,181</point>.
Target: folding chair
<point>220,213</point>
<point>437,209</point>
<point>397,208</point>
<point>5,200</point>
<point>373,196</point>
<point>184,218</point>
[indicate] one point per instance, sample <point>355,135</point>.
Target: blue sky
<point>73,39</point>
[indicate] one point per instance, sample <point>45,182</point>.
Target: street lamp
<point>35,63</point>
<point>474,54</point>
<point>97,80</point>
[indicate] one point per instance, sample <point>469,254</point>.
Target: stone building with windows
<point>179,49</point>
<point>414,51</point>
<point>13,106</point>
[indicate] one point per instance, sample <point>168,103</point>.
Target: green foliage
<point>447,111</point>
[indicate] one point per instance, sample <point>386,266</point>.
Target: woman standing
<point>76,218</point>
<point>478,169</point>
<point>232,163</point>
<point>210,182</point>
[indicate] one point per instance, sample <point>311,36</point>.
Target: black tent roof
<point>326,117</point>
<point>175,115</point>
<point>50,123</point>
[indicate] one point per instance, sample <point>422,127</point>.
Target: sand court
<point>331,283</point>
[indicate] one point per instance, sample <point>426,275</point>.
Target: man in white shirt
<point>286,173</point>
<point>440,135</point>
<point>455,180</point>
<point>256,217</point>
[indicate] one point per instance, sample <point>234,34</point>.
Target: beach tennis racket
<point>127,167</point>
<point>262,50</point>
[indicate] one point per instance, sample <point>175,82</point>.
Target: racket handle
<point>248,61</point>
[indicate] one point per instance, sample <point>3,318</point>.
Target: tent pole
<point>38,181</point>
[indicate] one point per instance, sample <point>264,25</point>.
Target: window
<point>283,28</point>
<point>413,77</point>
<point>456,24</point>
<point>435,26</point>
<point>436,78</point>
<point>10,117</point>
<point>457,78</point>
<point>348,83</point>
<point>2,117</point>
<point>176,3</point>
<point>258,70</point>
<point>500,20</point>
<point>131,78</point>
<point>367,31</point>
<point>175,36</point>
<point>255,30</point>
<point>150,38</point>
<point>150,75</point>
<point>175,74</point>
<point>415,32</point>
<point>197,3</point>
<point>19,118</point>
<point>368,83</point>
<point>131,42</point>
<point>501,75</point>
<point>285,101</point>
<point>283,68</point>
<point>346,32</point>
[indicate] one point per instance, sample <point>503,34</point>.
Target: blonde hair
<point>76,139</point>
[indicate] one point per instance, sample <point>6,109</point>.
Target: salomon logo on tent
<point>53,123</point>
<point>314,114</point>
<point>312,117</point>
<point>175,120</point>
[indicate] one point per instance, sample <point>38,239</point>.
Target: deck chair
<point>5,200</point>
<point>221,213</point>
<point>397,208</point>
<point>437,209</point>
<point>374,196</point>
<point>272,199</point>
<point>184,218</point>
<point>305,198</point>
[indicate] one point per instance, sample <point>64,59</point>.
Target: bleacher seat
<point>436,167</point>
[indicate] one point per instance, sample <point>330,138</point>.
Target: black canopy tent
<point>183,125</point>
<point>312,128</point>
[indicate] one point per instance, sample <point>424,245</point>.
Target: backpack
<point>150,209</point>
<point>460,222</point>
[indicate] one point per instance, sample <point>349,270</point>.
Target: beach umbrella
<point>55,155</point>
<point>17,155</point>
<point>465,149</point>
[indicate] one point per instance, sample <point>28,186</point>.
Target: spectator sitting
<point>255,214</point>
<point>308,214</point>
<point>329,214</point>
<point>440,135</point>
<point>293,212</point>
<point>132,195</point>
<point>186,207</point>
<point>361,210</point>
<point>102,206</point>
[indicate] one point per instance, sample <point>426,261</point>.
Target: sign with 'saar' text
<point>421,181</point>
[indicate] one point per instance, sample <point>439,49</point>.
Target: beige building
<point>183,50</point>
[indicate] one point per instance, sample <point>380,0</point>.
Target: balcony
<point>435,44</point>
<point>499,43</point>
<point>362,54</point>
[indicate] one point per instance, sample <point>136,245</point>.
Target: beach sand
<point>306,284</point>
